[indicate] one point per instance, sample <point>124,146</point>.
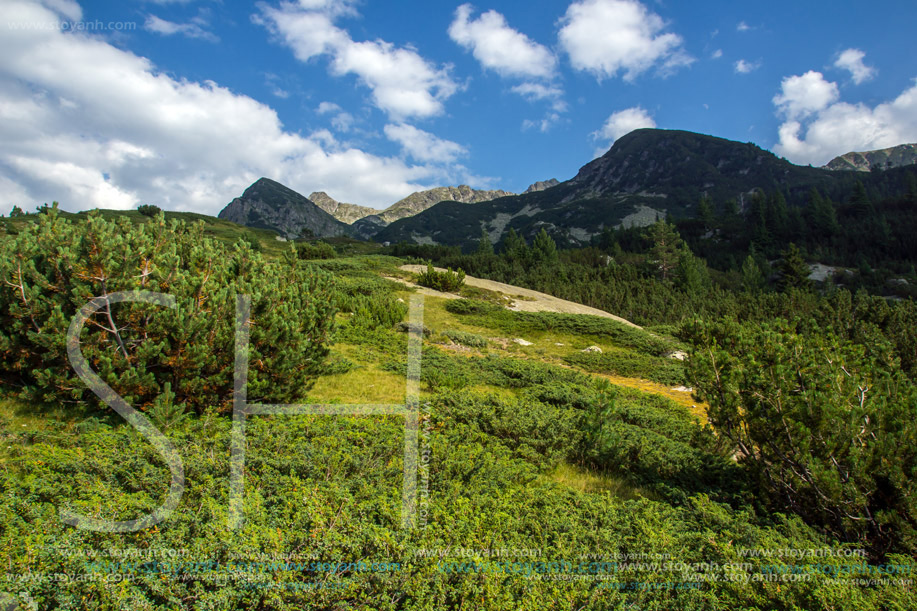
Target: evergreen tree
<point>778,217</point>
<point>705,213</point>
<point>860,202</point>
<point>16,211</point>
<point>514,247</point>
<point>485,247</point>
<point>664,252</point>
<point>823,217</point>
<point>752,278</point>
<point>794,272</point>
<point>691,274</point>
<point>544,250</point>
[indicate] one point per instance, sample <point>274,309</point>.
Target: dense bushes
<point>54,267</point>
<point>827,428</point>
<point>630,364</point>
<point>318,250</point>
<point>446,281</point>
<point>472,340</point>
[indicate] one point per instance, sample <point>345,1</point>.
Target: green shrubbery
<point>148,210</point>
<point>318,250</point>
<point>446,281</point>
<point>472,340</point>
<point>630,364</point>
<point>470,306</point>
<point>827,429</point>
<point>54,267</point>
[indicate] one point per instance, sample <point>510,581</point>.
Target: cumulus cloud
<point>196,28</point>
<point>743,27</point>
<point>800,96</point>
<point>744,67</point>
<point>341,121</point>
<point>852,61</point>
<point>716,54</point>
<point>499,47</point>
<point>818,127</point>
<point>424,146</point>
<point>401,81</point>
<point>91,125</point>
<point>622,123</point>
<point>606,37</point>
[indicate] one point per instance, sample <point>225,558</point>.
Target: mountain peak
<point>881,159</point>
<point>267,204</point>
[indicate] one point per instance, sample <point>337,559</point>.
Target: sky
<point>184,103</point>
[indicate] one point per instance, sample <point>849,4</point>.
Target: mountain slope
<point>267,204</point>
<point>422,200</point>
<point>647,174</point>
<point>882,159</point>
<point>346,213</point>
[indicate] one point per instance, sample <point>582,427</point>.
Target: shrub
<point>54,267</point>
<point>318,250</point>
<point>446,281</point>
<point>631,365</point>
<point>148,210</point>
<point>466,339</point>
<point>470,306</point>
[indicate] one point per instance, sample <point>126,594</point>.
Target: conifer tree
<point>794,272</point>
<point>485,247</point>
<point>544,250</point>
<point>664,251</point>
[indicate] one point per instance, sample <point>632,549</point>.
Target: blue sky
<point>183,103</point>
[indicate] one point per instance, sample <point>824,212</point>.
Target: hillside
<point>346,213</point>
<point>267,204</point>
<point>647,174</point>
<point>882,159</point>
<point>422,200</point>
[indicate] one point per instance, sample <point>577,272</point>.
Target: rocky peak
<point>542,185</point>
<point>882,159</point>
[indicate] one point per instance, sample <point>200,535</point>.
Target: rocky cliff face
<point>883,159</point>
<point>541,185</point>
<point>267,204</point>
<point>346,213</point>
<point>420,201</point>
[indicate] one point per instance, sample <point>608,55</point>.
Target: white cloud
<point>544,124</point>
<point>717,54</point>
<point>193,29</point>
<point>606,37</point>
<point>621,123</point>
<point>800,96</point>
<point>91,125</point>
<point>743,27</point>
<point>852,61</point>
<point>830,128</point>
<point>744,67</point>
<point>341,121</point>
<point>500,48</point>
<point>424,146</point>
<point>403,84</point>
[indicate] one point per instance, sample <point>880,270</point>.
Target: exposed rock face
<point>368,226</point>
<point>883,159</point>
<point>541,185</point>
<point>346,213</point>
<point>420,201</point>
<point>270,205</point>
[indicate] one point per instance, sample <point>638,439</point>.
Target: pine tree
<point>794,272</point>
<point>514,247</point>
<point>705,213</point>
<point>544,250</point>
<point>823,215</point>
<point>665,249</point>
<point>752,277</point>
<point>485,247</point>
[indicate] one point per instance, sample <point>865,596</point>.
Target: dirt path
<point>527,299</point>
